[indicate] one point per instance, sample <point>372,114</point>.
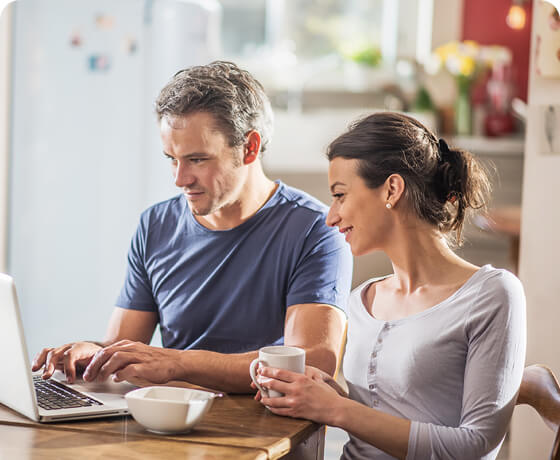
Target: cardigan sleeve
<point>496,332</point>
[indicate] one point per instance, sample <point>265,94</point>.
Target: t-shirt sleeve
<point>136,293</point>
<point>496,335</point>
<point>324,270</point>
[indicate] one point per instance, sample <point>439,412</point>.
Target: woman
<point>435,351</point>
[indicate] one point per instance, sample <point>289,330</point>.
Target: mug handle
<point>252,371</point>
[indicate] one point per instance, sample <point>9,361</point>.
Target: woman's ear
<point>252,147</point>
<point>394,189</point>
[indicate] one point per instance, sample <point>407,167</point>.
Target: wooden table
<point>237,427</point>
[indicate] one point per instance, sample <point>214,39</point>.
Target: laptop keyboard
<point>54,395</point>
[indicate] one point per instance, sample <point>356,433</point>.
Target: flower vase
<point>463,108</point>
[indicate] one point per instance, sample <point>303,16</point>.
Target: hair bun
<point>445,152</point>
<point>443,147</point>
<point>451,172</point>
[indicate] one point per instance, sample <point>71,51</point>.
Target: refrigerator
<point>84,154</point>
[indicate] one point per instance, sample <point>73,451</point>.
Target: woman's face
<point>357,210</point>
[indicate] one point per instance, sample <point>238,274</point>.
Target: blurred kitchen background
<point>80,155</point>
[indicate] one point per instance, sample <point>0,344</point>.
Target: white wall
<point>85,156</point>
<point>5,57</point>
<point>539,260</point>
<point>447,20</point>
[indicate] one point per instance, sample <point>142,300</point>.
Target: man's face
<point>209,171</point>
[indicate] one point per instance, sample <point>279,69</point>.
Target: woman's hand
<point>312,395</point>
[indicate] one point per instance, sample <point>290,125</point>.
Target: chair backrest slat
<point>540,390</point>
<point>555,455</point>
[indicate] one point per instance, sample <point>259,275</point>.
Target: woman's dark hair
<point>441,183</point>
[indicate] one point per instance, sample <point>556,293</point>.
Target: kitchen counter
<point>498,146</point>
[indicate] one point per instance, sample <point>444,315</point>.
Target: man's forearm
<point>102,344</point>
<point>321,357</point>
<point>230,372</point>
<point>219,371</point>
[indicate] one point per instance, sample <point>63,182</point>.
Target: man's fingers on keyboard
<point>69,362</point>
<point>54,360</point>
<point>40,359</point>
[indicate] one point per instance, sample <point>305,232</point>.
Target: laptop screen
<point>16,385</point>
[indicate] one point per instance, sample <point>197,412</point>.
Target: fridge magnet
<point>76,39</point>
<point>130,45</point>
<point>104,21</point>
<point>549,129</point>
<point>99,63</point>
<point>547,52</point>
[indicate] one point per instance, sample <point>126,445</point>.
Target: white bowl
<point>166,410</point>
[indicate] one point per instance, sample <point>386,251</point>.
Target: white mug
<point>282,357</point>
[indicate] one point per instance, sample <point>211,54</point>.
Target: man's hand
<point>132,360</point>
<point>69,358</point>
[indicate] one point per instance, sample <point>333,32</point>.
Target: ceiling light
<point>517,16</point>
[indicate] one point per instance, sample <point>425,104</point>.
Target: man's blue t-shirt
<point>228,291</point>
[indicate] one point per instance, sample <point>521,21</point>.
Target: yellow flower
<point>471,43</point>
<point>466,65</point>
<point>471,48</point>
<point>464,59</point>
<point>449,49</point>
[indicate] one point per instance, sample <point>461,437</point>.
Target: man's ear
<point>252,147</point>
<point>394,189</point>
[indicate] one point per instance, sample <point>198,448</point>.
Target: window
<point>299,35</point>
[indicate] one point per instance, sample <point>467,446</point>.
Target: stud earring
<point>388,205</point>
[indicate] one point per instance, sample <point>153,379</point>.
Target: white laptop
<point>63,402</point>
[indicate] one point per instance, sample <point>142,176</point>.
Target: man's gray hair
<point>232,95</point>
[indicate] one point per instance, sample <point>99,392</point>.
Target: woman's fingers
<point>279,374</point>
<point>282,402</point>
<point>286,412</point>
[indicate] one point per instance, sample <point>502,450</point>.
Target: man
<point>234,263</point>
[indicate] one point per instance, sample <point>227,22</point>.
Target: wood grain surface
<point>235,427</point>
